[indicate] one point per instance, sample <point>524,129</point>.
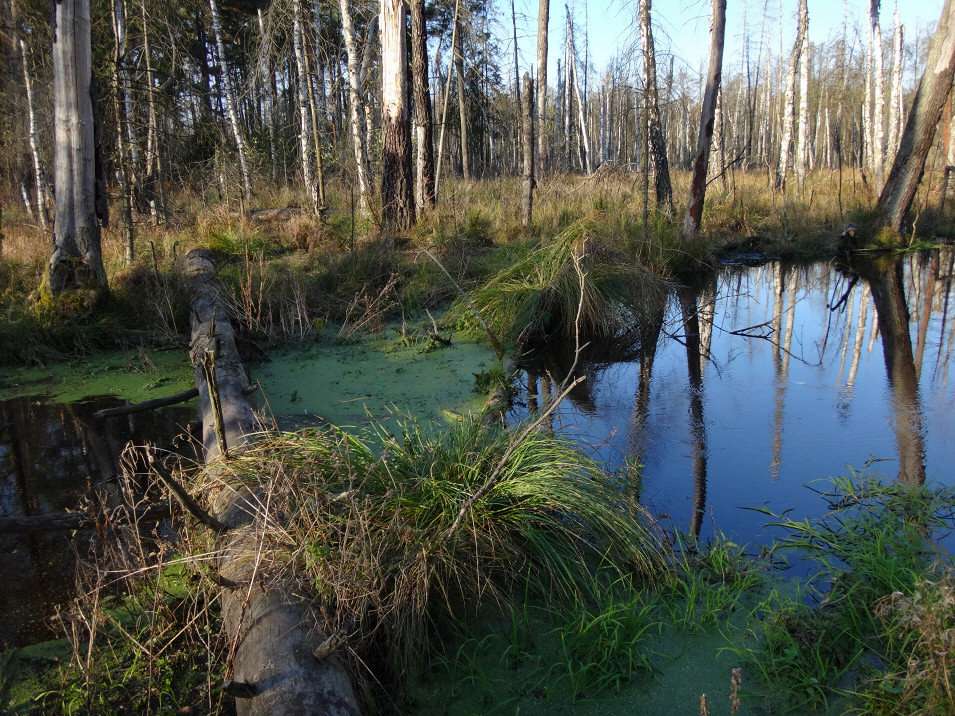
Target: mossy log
<point>274,635</point>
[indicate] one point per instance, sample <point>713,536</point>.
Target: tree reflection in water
<point>52,456</point>
<point>792,390</point>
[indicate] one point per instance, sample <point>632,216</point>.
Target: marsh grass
<point>540,292</point>
<point>367,522</point>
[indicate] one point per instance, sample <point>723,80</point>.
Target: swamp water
<point>750,386</point>
<point>794,385</point>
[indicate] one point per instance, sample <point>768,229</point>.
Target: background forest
<point>219,102</point>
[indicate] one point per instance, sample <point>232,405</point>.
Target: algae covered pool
<point>384,379</point>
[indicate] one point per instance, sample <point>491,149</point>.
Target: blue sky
<point>683,26</point>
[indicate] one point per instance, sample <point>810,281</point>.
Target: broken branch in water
<point>148,404</point>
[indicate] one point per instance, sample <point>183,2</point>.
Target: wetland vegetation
<point>456,474</point>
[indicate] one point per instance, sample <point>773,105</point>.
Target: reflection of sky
<point>824,425</point>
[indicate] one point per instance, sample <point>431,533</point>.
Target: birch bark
<point>231,106</point>
<point>355,108</point>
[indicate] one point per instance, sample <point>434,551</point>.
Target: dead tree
<point>789,111</point>
<point>657,142</point>
<point>424,185</point>
<point>930,97</point>
<point>527,196</point>
<point>694,209</point>
<point>543,18</point>
<point>77,259</point>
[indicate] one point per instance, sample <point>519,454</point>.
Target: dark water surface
<point>748,387</point>
<point>52,456</point>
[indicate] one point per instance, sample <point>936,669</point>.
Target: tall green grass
<point>371,523</point>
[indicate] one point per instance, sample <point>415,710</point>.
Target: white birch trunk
<point>895,104</point>
<point>355,108</point>
<point>789,111</point>
<point>42,190</point>
<point>305,129</point>
<point>265,67</point>
<point>231,105</point>
<point>802,141</point>
<point>878,112</point>
<point>581,109</point>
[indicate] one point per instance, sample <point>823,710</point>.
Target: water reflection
<point>738,392</point>
<point>886,281</point>
<point>52,456</point>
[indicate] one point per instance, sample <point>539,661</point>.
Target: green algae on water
<point>133,375</point>
<point>379,379</point>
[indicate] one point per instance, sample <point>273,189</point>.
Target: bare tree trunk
<point>581,109</point>
<point>657,142</point>
<point>458,60</point>
<point>119,53</point>
<point>154,174</point>
<point>802,140</point>
<point>789,110</point>
<point>543,19</point>
<point>895,104</point>
<point>424,186</point>
<point>397,182</point>
<point>694,209</point>
<point>447,97</point>
<point>231,105</point>
<point>527,198</point>
<point>316,131</point>
<point>268,85</point>
<point>930,97</point>
<point>305,129</point>
<point>878,113</point>
<point>42,190</point>
<point>356,109</point>
<point>77,259</point>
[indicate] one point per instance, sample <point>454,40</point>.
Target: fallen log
<point>142,407</point>
<point>273,667</point>
<point>278,214</point>
<point>31,524</point>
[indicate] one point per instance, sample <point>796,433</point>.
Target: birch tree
<point>355,108</point>
<point>231,105</point>
<point>397,195</point>
<point>304,116</point>
<point>657,142</point>
<point>584,145</point>
<point>119,52</point>
<point>42,190</point>
<point>896,110</point>
<point>77,260</point>
<point>789,108</point>
<point>802,140</point>
<point>877,118</point>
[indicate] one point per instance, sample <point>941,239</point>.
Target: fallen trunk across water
<point>273,637</point>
